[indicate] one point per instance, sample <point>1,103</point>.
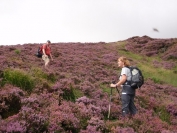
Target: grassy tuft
<point>72,94</point>
<point>17,51</point>
<point>162,113</point>
<point>38,73</point>
<point>18,78</point>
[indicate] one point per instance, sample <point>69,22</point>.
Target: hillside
<point>73,96</point>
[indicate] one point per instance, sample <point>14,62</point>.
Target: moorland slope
<point>73,96</point>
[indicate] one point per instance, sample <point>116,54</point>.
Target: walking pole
<point>118,92</point>
<point>114,82</point>
<point>109,109</point>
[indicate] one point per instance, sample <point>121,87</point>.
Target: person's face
<point>48,43</point>
<point>120,63</point>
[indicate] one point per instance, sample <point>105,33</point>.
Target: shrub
<point>10,101</point>
<point>67,91</point>
<point>63,119</point>
<point>17,51</point>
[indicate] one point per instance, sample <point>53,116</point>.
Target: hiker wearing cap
<point>128,93</point>
<point>46,51</point>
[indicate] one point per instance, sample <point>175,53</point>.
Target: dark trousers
<point>128,105</point>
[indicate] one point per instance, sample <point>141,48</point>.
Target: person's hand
<point>112,85</point>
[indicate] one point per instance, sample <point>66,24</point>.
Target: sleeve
<point>124,71</point>
<point>44,46</point>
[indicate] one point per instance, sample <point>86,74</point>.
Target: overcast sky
<point>36,21</point>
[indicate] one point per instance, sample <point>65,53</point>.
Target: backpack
<point>137,79</point>
<point>39,52</point>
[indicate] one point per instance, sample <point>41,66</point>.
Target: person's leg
<point>46,60</point>
<point>132,106</point>
<point>125,104</point>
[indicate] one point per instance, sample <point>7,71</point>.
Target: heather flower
<point>70,96</point>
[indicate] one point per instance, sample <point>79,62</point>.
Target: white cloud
<point>35,21</point>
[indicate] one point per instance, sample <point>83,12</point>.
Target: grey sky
<point>35,21</point>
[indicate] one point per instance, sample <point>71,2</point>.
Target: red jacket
<point>46,48</point>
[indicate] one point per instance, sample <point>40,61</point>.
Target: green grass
<point>159,75</point>
<point>77,93</point>
<point>18,78</point>
<point>17,51</point>
<point>27,80</point>
<point>41,75</point>
<point>163,114</point>
<point>107,89</point>
<point>72,94</point>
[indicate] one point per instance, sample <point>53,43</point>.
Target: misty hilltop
<point>73,95</point>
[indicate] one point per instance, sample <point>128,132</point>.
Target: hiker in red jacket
<point>46,51</point>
